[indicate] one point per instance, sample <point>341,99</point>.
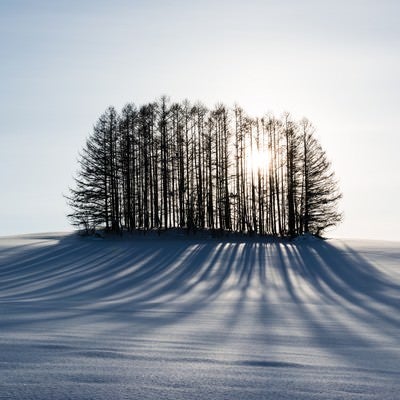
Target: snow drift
<point>179,318</point>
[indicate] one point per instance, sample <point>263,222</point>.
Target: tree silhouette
<point>320,192</point>
<point>94,199</point>
<point>166,165</point>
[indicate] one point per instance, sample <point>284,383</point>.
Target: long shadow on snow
<point>346,276</point>
<point>347,286</point>
<point>109,277</point>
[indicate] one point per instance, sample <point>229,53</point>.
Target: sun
<point>257,161</point>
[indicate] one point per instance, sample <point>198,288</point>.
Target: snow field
<point>198,318</point>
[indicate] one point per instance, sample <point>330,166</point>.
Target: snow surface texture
<point>195,318</point>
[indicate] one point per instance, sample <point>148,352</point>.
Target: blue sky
<point>64,62</point>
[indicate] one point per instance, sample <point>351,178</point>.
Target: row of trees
<point>168,165</point>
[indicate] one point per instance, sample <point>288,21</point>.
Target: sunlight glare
<point>257,160</point>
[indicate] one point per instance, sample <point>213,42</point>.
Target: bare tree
<point>177,165</point>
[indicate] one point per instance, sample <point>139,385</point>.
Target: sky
<point>335,62</point>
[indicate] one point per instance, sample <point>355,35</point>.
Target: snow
<point>173,317</point>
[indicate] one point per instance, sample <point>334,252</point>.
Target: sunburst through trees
<point>167,165</point>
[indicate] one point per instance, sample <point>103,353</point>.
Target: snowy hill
<point>198,318</point>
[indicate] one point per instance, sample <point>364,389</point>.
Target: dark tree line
<point>181,165</point>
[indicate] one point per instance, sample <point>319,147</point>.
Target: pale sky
<point>335,62</point>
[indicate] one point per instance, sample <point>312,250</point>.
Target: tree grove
<point>182,165</point>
